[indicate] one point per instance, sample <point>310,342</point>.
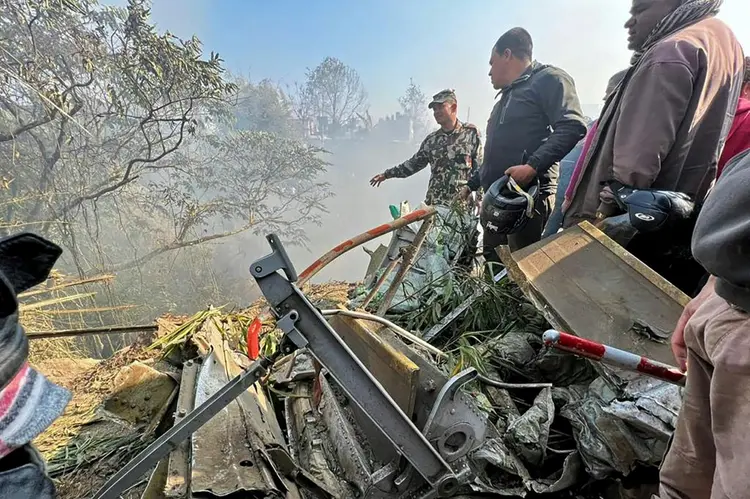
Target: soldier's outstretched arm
<point>413,165</point>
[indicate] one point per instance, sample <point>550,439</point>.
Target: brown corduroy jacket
<point>666,125</point>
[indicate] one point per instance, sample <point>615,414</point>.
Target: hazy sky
<point>439,43</point>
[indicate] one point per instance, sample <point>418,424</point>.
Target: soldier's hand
<point>377,180</point>
<point>478,200</point>
<point>522,174</point>
<point>464,193</point>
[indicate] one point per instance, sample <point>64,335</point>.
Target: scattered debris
<point>557,423</point>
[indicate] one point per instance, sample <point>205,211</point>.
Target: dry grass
<point>81,448</point>
<point>91,382</point>
<point>62,302</point>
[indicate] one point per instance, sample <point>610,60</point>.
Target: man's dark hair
<point>747,70</point>
<point>518,41</point>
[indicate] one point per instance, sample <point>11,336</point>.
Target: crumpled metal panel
<point>608,445</point>
<point>228,452</point>
<point>178,476</point>
<point>652,408</point>
<point>223,462</point>
<point>528,434</point>
<point>309,442</point>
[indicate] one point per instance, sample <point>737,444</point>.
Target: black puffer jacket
<point>537,121</point>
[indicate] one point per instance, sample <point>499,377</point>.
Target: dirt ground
<point>79,446</point>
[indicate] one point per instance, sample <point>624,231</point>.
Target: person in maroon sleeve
<point>665,125</point>
<point>738,139</point>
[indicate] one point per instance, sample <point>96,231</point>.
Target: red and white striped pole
<point>613,356</point>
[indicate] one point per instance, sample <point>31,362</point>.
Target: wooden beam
<point>394,370</point>
<point>586,284</point>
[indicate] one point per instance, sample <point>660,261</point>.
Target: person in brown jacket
<point>665,126</point>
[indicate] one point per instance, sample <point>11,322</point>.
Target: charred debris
<point>559,426</point>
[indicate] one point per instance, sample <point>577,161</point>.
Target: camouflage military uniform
<point>453,157</point>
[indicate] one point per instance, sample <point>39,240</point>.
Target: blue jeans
<point>567,165</point>
<point>23,476</point>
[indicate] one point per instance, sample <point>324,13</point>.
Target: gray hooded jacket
<point>721,240</point>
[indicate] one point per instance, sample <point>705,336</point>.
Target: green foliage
<point>119,142</point>
<point>500,308</point>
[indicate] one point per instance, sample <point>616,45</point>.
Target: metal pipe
<point>613,356</point>
<point>380,281</point>
<point>510,386</point>
<point>406,262</point>
<point>396,329</point>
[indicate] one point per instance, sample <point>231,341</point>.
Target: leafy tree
<point>240,181</point>
<point>96,98</point>
<point>122,144</point>
<point>414,105</point>
<point>264,106</point>
<point>332,94</point>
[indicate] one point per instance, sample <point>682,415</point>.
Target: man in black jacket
<point>535,124</point>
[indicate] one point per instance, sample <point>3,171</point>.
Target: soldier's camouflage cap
<point>447,95</point>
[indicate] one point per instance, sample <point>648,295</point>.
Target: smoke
<point>358,207</point>
<point>355,208</point>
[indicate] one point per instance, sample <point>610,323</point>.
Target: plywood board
<point>394,370</point>
<point>588,285</point>
<point>397,373</point>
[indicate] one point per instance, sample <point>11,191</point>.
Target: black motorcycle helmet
<point>653,210</point>
<point>506,208</point>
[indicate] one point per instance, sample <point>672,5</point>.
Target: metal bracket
<point>455,426</point>
<point>277,260</point>
<point>301,320</point>
<point>291,333</point>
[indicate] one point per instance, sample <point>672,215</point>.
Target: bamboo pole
<point>380,281</point>
<point>67,333</point>
<point>406,262</point>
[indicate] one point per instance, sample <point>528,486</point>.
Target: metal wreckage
<point>352,405</point>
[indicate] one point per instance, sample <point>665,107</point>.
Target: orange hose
<point>352,243</point>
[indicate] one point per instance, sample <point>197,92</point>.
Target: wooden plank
<point>398,374</point>
<point>394,370</point>
<point>588,285</point>
<point>638,265</point>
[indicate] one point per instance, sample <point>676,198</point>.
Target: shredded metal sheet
<point>567,477</point>
<point>528,435</point>
<point>228,452</point>
<point>223,462</point>
<point>616,431</point>
<point>652,407</point>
